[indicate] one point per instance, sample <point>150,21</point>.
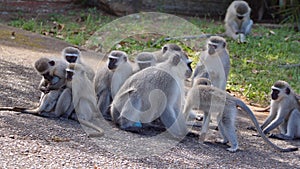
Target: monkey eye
<point>213,46</point>
<point>112,60</point>
<point>275,91</point>
<point>240,17</point>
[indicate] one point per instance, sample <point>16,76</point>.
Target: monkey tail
<point>16,109</point>
<point>255,122</point>
<point>91,125</point>
<point>263,110</point>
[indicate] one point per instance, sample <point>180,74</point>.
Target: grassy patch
<point>256,65</point>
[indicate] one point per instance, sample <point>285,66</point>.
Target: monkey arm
<point>275,123</point>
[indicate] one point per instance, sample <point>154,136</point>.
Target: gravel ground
<point>33,142</point>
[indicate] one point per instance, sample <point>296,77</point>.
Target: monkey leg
<point>291,130</point>
<point>64,103</point>
<point>103,103</point>
<point>205,126</point>
<point>174,122</point>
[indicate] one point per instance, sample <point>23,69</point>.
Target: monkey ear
<point>51,63</point>
<point>176,60</point>
<point>287,91</point>
<point>125,59</point>
<point>224,44</point>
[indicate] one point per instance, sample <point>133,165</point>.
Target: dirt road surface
<point>33,142</point>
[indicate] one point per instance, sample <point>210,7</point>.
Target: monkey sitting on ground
<point>211,99</point>
<point>284,112</point>
<point>53,86</point>
<point>237,20</point>
<point>83,96</point>
<point>73,55</point>
<point>154,93</point>
<point>109,79</point>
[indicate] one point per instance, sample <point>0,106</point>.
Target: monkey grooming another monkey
<point>237,21</point>
<point>211,99</point>
<point>109,79</point>
<point>284,112</point>
<point>53,87</point>
<point>73,55</point>
<point>154,93</point>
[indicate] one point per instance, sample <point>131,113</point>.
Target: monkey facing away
<point>73,55</point>
<point>83,96</point>
<point>237,20</point>
<point>284,112</point>
<point>110,78</point>
<point>144,60</point>
<point>211,99</point>
<point>154,93</point>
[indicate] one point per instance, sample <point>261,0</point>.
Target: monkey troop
<point>134,95</point>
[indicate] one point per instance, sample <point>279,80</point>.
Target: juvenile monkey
<point>237,20</point>
<point>153,93</point>
<point>108,80</point>
<point>159,55</point>
<point>211,99</point>
<point>144,60</point>
<point>73,55</point>
<point>284,112</point>
<point>83,96</point>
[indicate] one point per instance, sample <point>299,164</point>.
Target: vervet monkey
<point>109,79</point>
<point>83,96</point>
<point>73,55</point>
<point>53,102</point>
<point>211,99</point>
<point>156,92</point>
<point>237,20</point>
<point>284,112</point>
<point>144,60</point>
<point>159,55</point>
<point>214,62</point>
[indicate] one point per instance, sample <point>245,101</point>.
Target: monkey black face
<point>275,94</point>
<point>112,64</point>
<point>212,48</point>
<point>71,59</point>
<point>69,74</point>
<point>189,72</point>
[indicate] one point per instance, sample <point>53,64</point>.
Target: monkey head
<point>280,89</point>
<point>202,81</point>
<point>71,54</point>
<point>44,66</point>
<point>115,58</point>
<point>215,43</point>
<point>171,47</point>
<point>242,9</point>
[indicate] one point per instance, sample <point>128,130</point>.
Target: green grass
<point>255,66</point>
